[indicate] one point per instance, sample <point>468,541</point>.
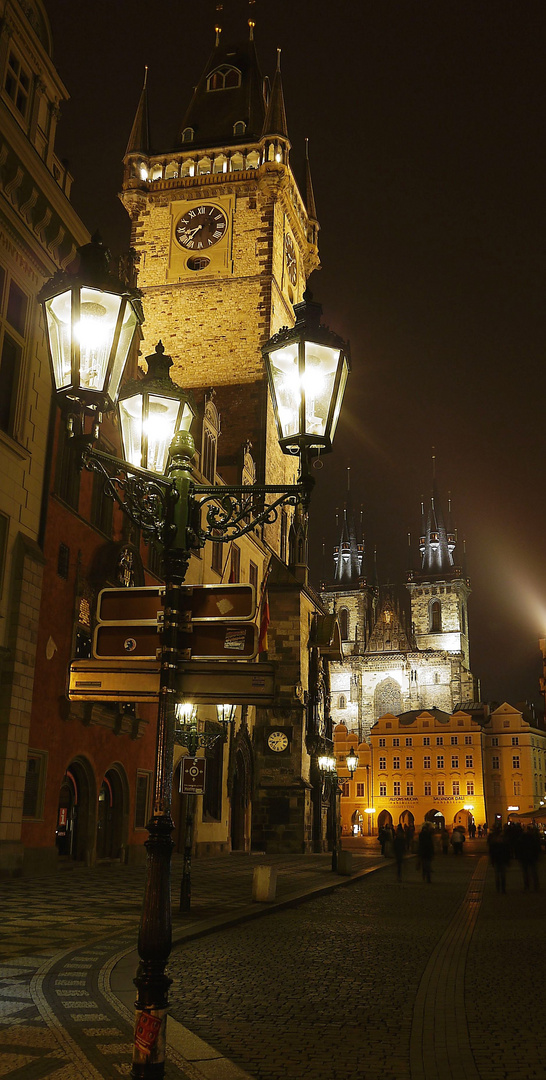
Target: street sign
<point>236,602</point>
<point>212,682</point>
<point>217,682</point>
<point>192,776</point>
<point>234,641</point>
<point>113,680</point>
<point>130,620</point>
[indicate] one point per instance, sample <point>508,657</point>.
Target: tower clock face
<point>277,741</point>
<point>291,261</point>
<point>201,227</point>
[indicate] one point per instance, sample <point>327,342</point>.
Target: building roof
<point>275,120</point>
<point>212,113</point>
<point>139,139</point>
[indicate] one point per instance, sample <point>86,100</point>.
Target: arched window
<point>435,614</point>
<point>211,430</point>
<point>387,699</point>
<point>204,166</point>
<point>220,164</point>
<point>171,172</point>
<point>253,160</point>
<point>344,623</point>
<point>188,168</point>
<point>239,127</point>
<point>342,701</point>
<point>224,78</point>
<point>237,162</point>
<point>187,134</point>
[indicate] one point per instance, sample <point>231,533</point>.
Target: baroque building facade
<point>396,661</point>
<point>483,767</point>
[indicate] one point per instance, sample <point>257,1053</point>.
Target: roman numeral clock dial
<point>201,227</point>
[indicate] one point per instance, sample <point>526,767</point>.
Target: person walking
<point>399,845</point>
<point>499,857</point>
<point>527,849</point>
<point>426,852</point>
<point>457,841</point>
<point>444,838</point>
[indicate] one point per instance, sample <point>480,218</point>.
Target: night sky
<point>425,121</point>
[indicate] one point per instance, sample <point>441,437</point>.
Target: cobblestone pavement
<point>379,981</point>
<point>58,935</point>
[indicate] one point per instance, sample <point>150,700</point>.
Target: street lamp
<point>90,320</point>
<point>328,770</point>
<point>187,734</point>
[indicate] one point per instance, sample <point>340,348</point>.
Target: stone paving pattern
<point>359,982</point>
<point>327,990</point>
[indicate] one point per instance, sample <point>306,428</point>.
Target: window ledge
<point>15,447</point>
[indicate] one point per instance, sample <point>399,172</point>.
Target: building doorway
<point>110,817</point>
<point>464,820</point>
<point>436,818</point>
<point>238,803</point>
<point>407,818</point>
<point>75,813</point>
<point>357,824</point>
<point>384,819</point>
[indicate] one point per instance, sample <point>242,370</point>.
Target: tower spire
<point>275,120</point>
<point>309,195</point>
<point>139,139</point>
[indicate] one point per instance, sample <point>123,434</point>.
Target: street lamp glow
<point>307,367</point>
<point>225,714</point>
<point>151,411</point>
<point>91,318</point>
<point>185,712</point>
<point>370,810</point>
<point>327,763</point>
<point>351,762</point>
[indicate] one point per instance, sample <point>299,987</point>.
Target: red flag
<point>264,623</point>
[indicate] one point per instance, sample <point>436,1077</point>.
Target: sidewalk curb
<point>199,1060</point>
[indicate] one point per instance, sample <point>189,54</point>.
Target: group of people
<point>515,842</point>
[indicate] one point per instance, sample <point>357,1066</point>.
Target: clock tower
<point>225,237</point>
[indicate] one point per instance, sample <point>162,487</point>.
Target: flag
<point>264,623</point>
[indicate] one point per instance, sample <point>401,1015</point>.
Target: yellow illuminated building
<point>437,767</point>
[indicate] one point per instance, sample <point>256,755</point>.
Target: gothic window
<point>211,431</point>
<point>435,616</point>
<point>239,127</point>
<point>387,698</point>
<point>237,162</point>
<point>220,164</point>
<point>253,160</point>
<point>224,78</point>
<point>204,166</point>
<point>187,134</point>
<point>342,701</point>
<point>188,167</point>
<point>171,172</point>
<point>344,624</point>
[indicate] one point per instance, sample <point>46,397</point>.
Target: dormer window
<point>239,128</point>
<point>188,134</point>
<point>224,78</point>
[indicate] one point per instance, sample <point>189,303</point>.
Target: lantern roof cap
<point>308,325</point>
<point>157,379</point>
<point>93,272</point>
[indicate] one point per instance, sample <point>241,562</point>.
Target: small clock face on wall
<point>277,741</point>
<point>291,261</point>
<point>201,227</point>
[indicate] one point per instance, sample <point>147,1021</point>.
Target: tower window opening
<point>342,701</point>
<point>344,624</point>
<point>239,127</point>
<point>435,614</point>
<point>224,78</point>
<point>188,134</point>
<point>253,160</point>
<point>237,162</point>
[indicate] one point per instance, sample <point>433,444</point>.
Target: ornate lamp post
<point>91,319</point>
<point>328,771</point>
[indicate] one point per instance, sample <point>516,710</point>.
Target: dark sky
<point>426,128</point>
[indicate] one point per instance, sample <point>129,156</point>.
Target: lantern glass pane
<point>321,363</point>
<point>159,429</point>
<point>128,327</point>
<point>94,330</point>
<point>287,387</point>
<point>186,417</point>
<point>130,415</point>
<point>59,325</point>
<point>340,392</point>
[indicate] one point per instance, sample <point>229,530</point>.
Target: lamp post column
<point>155,932</point>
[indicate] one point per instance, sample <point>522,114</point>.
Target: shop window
<point>33,797</point>
<point>142,799</point>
